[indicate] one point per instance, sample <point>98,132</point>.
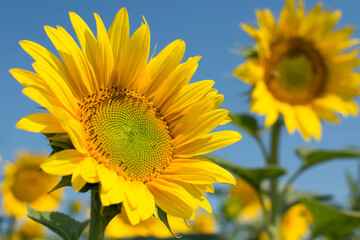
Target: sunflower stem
<point>98,223</point>
<point>274,191</point>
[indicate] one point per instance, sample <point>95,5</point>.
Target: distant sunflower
<point>24,182</point>
<point>29,230</point>
<point>303,68</point>
<point>295,223</point>
<point>137,127</point>
<point>248,200</point>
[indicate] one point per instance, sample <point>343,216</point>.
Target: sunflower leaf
<point>64,182</point>
<point>253,176</point>
<point>311,157</point>
<point>162,216</point>
<point>330,221</point>
<point>62,224</point>
<point>246,122</point>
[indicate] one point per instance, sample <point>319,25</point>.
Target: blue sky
<point>210,29</point>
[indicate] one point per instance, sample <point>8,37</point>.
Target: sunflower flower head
<point>24,182</point>
<point>245,203</point>
<point>303,69</point>
<point>136,126</point>
<point>295,222</point>
<point>29,231</point>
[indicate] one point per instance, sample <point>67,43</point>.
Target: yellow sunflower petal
<point>59,88</point>
<point>132,214</point>
<point>88,44</point>
<point>28,78</point>
<point>161,66</point>
<point>250,72</point>
<point>146,207</point>
<point>106,59</point>
<point>136,54</point>
<point>174,83</point>
<point>190,171</point>
<point>73,58</point>
<point>172,198</point>
<point>211,142</point>
<point>62,163</point>
<point>77,181</point>
<point>88,170</point>
<point>107,177</point>
<point>134,191</point>
<point>309,121</point>
<point>119,35</point>
<point>40,122</point>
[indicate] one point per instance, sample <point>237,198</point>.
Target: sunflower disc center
<point>295,72</point>
<point>29,184</point>
<point>126,134</point>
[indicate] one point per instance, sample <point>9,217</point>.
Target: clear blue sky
<point>210,29</point>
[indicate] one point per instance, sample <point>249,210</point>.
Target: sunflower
<point>294,225</point>
<point>24,182</point>
<point>303,68</point>
<point>29,230</point>
<point>137,126</point>
<point>245,198</point>
<point>295,222</point>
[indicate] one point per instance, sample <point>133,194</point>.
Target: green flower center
<point>295,72</point>
<point>126,134</point>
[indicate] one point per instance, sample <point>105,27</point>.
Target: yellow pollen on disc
<point>126,134</point>
<point>295,72</point>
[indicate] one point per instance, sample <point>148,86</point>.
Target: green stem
<point>266,157</point>
<point>97,222</point>
<point>274,191</point>
<point>291,180</point>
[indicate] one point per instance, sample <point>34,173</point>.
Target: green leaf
<point>62,224</point>
<point>311,157</point>
<point>330,221</point>
<point>252,175</point>
<point>246,122</point>
<point>162,216</point>
<point>64,182</point>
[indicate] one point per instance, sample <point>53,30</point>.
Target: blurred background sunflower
<point>302,68</point>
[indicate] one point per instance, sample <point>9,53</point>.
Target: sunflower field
<point>194,120</point>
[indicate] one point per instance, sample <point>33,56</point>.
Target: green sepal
<point>162,216</point>
<point>311,157</point>
<point>253,176</point>
<point>250,52</point>
<point>89,186</point>
<point>59,142</point>
<point>246,122</point>
<point>64,182</point>
<point>62,224</point>
<point>109,212</point>
<point>330,221</point>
